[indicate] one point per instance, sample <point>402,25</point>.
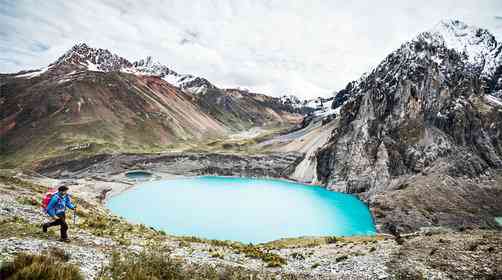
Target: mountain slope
<point>232,106</point>
<point>91,100</point>
<point>96,108</point>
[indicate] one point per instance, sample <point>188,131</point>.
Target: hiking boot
<point>44,228</point>
<point>66,240</point>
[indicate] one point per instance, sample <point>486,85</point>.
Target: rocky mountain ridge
<point>97,59</point>
<point>428,109</point>
<point>418,138</point>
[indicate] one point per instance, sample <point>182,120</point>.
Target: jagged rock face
<point>195,84</point>
<point>423,110</point>
<point>186,82</point>
<point>148,65</point>
<point>82,57</point>
<point>423,102</point>
<point>95,59</point>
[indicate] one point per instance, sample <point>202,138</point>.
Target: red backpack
<point>47,198</point>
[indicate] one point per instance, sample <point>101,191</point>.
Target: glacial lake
<point>139,175</point>
<point>242,209</point>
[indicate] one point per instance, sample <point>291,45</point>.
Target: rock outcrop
<point>429,109</point>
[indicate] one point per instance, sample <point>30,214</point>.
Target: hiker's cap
<point>62,187</point>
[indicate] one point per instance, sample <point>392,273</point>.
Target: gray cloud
<point>305,47</point>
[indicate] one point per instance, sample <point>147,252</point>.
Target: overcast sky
<point>308,48</point>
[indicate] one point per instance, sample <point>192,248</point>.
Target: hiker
<point>56,209</point>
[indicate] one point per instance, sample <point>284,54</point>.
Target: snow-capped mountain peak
<point>187,82</point>
<point>93,59</point>
<point>150,66</point>
<point>460,36</point>
<point>451,47</point>
<point>292,100</point>
<point>478,44</point>
<point>146,62</point>
<point>102,60</point>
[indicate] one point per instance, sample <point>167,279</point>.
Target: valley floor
<point>435,253</point>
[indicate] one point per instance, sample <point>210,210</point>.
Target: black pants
<point>60,222</point>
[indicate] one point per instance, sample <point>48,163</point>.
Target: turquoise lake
<point>242,209</point>
<point>139,175</point>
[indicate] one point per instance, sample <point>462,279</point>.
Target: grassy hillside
<point>74,113</point>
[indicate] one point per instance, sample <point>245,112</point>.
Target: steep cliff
<point>419,137</point>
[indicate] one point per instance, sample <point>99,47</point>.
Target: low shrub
<point>341,258</point>
<point>13,181</point>
<point>251,251</point>
<point>154,265</point>
<point>143,266</point>
<point>273,260</point>
<point>330,239</point>
<point>33,201</point>
<point>298,256</point>
<point>48,266</point>
<point>58,253</point>
<point>217,255</point>
<point>96,223</point>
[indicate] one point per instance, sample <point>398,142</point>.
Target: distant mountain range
<point>83,57</point>
<point>98,99</point>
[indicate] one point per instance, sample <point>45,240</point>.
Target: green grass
<point>312,241</point>
<point>89,218</point>
<point>33,201</point>
<point>105,225</point>
<point>18,227</point>
<point>154,265</point>
<point>252,251</point>
<point>60,144</point>
<point>51,265</point>
<point>9,180</point>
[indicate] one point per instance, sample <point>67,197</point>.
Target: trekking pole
<point>75,213</point>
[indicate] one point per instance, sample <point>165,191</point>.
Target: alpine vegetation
<point>164,150</point>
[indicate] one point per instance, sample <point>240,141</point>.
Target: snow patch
<point>326,110</point>
<point>93,67</point>
<point>478,45</point>
<point>33,74</point>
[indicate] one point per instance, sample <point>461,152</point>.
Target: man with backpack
<point>56,209</point>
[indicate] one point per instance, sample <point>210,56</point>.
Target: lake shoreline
<point>341,215</point>
<point>108,171</point>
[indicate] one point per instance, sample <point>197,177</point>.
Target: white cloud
<point>306,47</point>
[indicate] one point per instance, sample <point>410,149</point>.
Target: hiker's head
<point>63,189</point>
